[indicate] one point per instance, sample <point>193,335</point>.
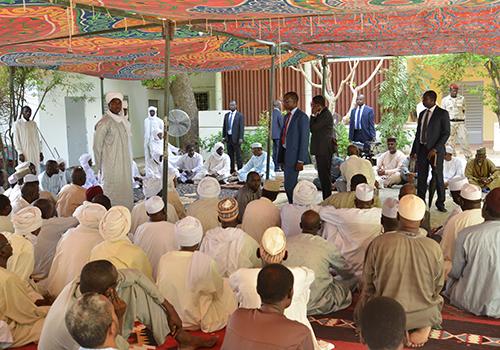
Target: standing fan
<point>178,123</point>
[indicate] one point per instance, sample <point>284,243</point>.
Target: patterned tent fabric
<point>217,35</point>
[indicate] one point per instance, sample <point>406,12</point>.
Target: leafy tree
<point>399,94</point>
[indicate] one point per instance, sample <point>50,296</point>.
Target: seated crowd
<point>77,272</point>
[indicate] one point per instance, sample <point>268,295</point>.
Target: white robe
<point>193,164</point>
<point>113,159</point>
<point>52,184</point>
<point>219,166</point>
<point>257,164</point>
<point>27,141</point>
<point>140,216</point>
<point>18,204</point>
<point>156,239</point>
<point>291,215</point>
<point>69,261</point>
<point>150,124</point>
<point>192,284</point>
<point>351,231</point>
<point>231,248</point>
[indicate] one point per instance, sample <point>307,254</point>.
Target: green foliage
<point>156,83</point>
<point>400,92</point>
<point>342,139</point>
<point>257,135</point>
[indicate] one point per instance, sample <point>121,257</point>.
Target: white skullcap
<point>61,160</point>
<point>112,95</point>
<point>256,145</point>
<point>390,208</point>
<point>13,179</point>
<point>27,220</point>
<point>449,149</point>
<point>23,165</point>
<point>208,187</point>
<point>273,245</point>
<point>304,193</point>
<point>456,183</point>
<point>154,205</point>
<point>89,214</point>
<point>84,159</point>
<point>115,224</point>
<point>124,104</point>
<point>30,178</point>
<point>471,192</point>
<point>412,207</point>
<point>364,192</point>
<point>188,231</point>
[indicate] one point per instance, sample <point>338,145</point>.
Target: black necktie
<point>423,134</point>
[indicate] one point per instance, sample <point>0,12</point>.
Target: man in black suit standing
<point>233,130</point>
<point>321,126</point>
<point>433,130</point>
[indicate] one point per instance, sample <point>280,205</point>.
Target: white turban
<point>304,193</point>
<point>152,108</point>
<point>208,187</point>
<point>188,231</point>
<point>84,159</point>
<point>112,95</point>
<point>364,192</point>
<point>217,146</point>
<point>13,179</point>
<point>61,160</point>
<point>27,220</point>
<point>390,208</point>
<point>154,205</point>
<point>456,183</point>
<point>22,166</point>
<point>89,214</point>
<point>30,178</point>
<point>273,245</point>
<point>115,224</point>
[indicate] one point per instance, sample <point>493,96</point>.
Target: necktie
<point>285,129</point>
<point>230,126</point>
<point>423,134</point>
<point>358,119</point>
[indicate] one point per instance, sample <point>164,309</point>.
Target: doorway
<point>76,129</point>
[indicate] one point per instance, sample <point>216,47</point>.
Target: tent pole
<point>324,64</point>
<point>272,73</point>
<point>102,95</point>
<point>167,35</point>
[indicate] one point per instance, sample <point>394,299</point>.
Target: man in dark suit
<point>277,126</point>
<point>321,126</point>
<point>362,122</point>
<point>294,143</point>
<point>233,130</point>
<point>433,130</point>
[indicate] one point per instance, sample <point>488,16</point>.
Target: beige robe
<point>6,224</point>
<point>70,198</point>
<point>345,200</point>
<point>17,309</point>
<point>22,261</point>
<point>192,283</point>
<point>260,214</point>
<point>205,210</point>
<point>27,141</point>
<point>140,216</point>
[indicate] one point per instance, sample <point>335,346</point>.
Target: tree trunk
<point>183,97</point>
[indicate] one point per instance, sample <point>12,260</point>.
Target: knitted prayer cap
<point>273,245</point>
<point>228,209</point>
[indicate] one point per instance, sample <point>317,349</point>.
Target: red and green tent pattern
<point>218,35</point>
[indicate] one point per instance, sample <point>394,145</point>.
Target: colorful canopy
<point>218,35</point>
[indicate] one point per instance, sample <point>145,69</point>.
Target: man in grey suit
<point>277,126</point>
<point>433,130</point>
<point>233,130</point>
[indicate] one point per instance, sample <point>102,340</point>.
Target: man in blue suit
<point>362,122</point>
<point>233,130</point>
<point>277,126</point>
<point>294,143</point>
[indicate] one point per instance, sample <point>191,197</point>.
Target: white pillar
<point>308,88</point>
<point>218,91</point>
<point>496,137</point>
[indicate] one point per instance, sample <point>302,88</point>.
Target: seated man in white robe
<point>69,261</point>
<point>191,280</point>
<point>5,210</point>
<point>86,163</point>
<point>231,247</point>
<point>305,197</point>
<point>257,163</point>
<point>51,179</point>
<point>328,293</point>
<point>189,165</point>
<point>470,202</point>
<point>352,230</point>
<point>144,303</point>
<point>218,165</point>
<point>30,192</point>
<point>51,232</point>
<point>27,224</point>
<point>23,317</point>
<point>273,250</point>
<point>389,163</point>
<point>205,208</point>
<point>65,173</point>
<point>117,248</point>
<point>156,237</point>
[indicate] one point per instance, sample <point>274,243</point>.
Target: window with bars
<point>201,101</point>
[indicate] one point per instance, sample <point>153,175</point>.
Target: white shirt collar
<point>432,108</point>
<point>293,111</point>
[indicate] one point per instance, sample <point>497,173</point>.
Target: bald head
<point>97,277</point>
<point>78,177</point>
<point>407,189</point>
<point>352,150</point>
<point>310,222</point>
<point>30,191</point>
<point>46,206</point>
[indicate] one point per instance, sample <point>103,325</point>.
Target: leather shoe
<point>442,209</point>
